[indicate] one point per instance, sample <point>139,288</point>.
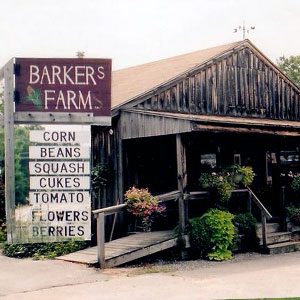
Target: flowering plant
<point>143,205</point>
<point>218,185</point>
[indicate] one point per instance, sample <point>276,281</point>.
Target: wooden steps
<point>278,242</point>
<point>286,247</point>
<point>129,248</point>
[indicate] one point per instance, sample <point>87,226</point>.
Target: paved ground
<point>247,276</point>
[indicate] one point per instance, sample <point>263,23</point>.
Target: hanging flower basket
<point>144,207</point>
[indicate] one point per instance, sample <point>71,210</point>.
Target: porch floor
<point>129,248</point>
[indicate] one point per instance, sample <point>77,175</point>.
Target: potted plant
<point>142,205</point>
<point>218,186</point>
<point>240,176</point>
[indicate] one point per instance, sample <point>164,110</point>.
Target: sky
<point>133,32</point>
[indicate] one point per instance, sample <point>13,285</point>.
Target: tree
<point>21,158</point>
<point>291,67</point>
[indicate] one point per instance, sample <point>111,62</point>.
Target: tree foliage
<point>291,67</point>
<point>21,157</point>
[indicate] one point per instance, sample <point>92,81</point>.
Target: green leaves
<point>47,250</point>
<point>34,96</point>
<point>291,67</point>
<point>213,234</point>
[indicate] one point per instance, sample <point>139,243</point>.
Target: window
<point>209,160</point>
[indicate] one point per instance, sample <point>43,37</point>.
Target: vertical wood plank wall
<point>239,84</point>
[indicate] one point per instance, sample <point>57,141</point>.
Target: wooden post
<point>249,203</point>
<point>120,163</point>
<point>182,183</point>
<point>264,230</point>
<point>101,240</point>
<point>9,148</point>
<point>282,205</point>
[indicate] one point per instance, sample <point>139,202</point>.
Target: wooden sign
<point>59,183</point>
<point>58,152</point>
<point>52,137</point>
<point>69,86</point>
<point>39,198</point>
<point>59,168</point>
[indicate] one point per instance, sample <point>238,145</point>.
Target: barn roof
<point>134,81</point>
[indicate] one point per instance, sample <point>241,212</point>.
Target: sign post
<point>9,168</point>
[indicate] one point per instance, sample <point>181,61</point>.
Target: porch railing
<point>264,216</point>
<point>100,215</point>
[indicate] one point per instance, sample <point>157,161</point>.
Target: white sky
<point>132,32</point>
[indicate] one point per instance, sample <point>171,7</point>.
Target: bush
<point>3,235</point>
<point>212,234</point>
<point>293,213</point>
<point>43,250</point>
<point>246,226</point>
<point>295,184</point>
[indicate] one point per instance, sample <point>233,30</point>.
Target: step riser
<point>270,228</point>
<point>277,239</point>
<point>285,249</point>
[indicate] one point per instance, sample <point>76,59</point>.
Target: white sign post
<point>59,198</point>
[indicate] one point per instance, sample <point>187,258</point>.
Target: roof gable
<point>134,81</point>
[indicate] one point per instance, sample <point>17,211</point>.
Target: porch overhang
<point>137,123</point>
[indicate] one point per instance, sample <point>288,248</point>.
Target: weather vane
<point>244,29</point>
<point>80,54</point>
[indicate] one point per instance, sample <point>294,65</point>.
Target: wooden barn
<point>219,106</point>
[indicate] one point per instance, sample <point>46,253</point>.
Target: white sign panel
<point>60,231</point>
<point>59,152</point>
<point>59,168</point>
<point>60,137</point>
<point>59,182</point>
<point>59,199</point>
<point>42,198</point>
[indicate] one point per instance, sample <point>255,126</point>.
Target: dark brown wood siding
<point>242,83</point>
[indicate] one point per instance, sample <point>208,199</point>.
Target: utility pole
<point>243,29</point>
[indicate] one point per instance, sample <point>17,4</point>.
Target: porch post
<point>182,182</point>
<point>120,186</point>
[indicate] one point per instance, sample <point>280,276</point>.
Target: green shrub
<point>212,234</point>
<point>246,226</point>
<point>2,235</point>
<point>45,250</point>
<point>295,184</point>
<point>293,213</point>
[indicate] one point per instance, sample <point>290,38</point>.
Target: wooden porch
<point>123,250</point>
<point>141,244</point>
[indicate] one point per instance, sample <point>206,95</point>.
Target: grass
<point>297,298</point>
<point>148,269</point>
